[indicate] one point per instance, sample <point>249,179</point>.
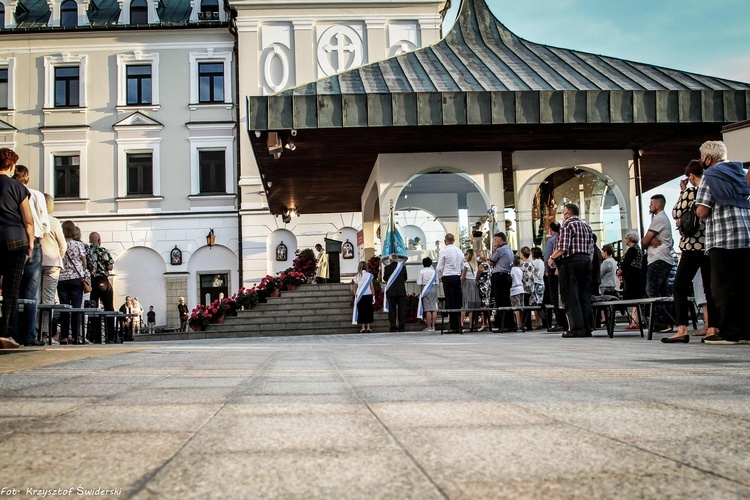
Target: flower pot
<point>196,328</point>
<point>291,288</point>
<point>275,293</point>
<point>219,319</point>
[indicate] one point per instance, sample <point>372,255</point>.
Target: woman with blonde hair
<point>54,247</point>
<point>469,291</point>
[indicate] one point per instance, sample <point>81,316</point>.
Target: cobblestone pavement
<point>416,415</point>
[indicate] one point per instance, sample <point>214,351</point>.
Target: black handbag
<point>689,222</point>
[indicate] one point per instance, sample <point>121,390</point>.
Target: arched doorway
<point>140,273</point>
<point>601,204</point>
<point>452,199</point>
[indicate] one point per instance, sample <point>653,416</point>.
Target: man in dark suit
<point>395,294</point>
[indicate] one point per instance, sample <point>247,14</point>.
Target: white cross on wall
<point>340,47</point>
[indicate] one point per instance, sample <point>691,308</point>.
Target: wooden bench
<point>527,309</point>
<point>608,306</point>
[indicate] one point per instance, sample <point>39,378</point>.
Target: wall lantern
<point>210,239</point>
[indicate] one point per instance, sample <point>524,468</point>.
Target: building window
<point>66,87</point>
<point>209,10</point>
<point>3,87</point>
<point>69,13</point>
<point>67,176</point>
<point>140,174</point>
<point>212,167</point>
<point>2,15</point>
<point>211,82</point>
<point>138,84</point>
<point>139,12</point>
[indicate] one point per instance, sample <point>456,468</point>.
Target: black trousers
<point>12,259</point>
<point>397,309</point>
<point>552,297</point>
<point>575,288</point>
<point>730,275</point>
<point>690,262</point>
<point>453,299</point>
<point>501,283</point>
<point>101,289</point>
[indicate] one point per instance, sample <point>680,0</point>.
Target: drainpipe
<point>232,11</point>
<point>637,153</point>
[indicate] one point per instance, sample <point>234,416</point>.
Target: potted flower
<point>271,285</point>
<point>305,263</point>
<point>292,279</point>
<point>246,298</point>
<point>199,318</point>
<point>218,310</point>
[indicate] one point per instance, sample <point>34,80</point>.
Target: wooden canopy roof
<point>482,88</point>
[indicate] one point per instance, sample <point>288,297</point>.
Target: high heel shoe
<point>684,339</point>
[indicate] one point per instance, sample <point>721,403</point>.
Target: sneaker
<point>716,340</point>
<point>428,329</point>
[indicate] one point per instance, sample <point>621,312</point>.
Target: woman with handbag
<point>54,247</point>
<point>692,259</point>
<point>70,285</point>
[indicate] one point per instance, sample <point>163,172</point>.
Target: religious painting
<point>175,256</point>
<point>281,252</point>
<point>347,250</point>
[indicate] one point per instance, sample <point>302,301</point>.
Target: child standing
<point>428,298</point>
<point>516,288</point>
<point>151,320</point>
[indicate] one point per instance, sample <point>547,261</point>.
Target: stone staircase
<point>309,310</point>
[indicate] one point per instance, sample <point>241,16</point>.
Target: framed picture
<point>347,250</point>
<point>281,252</point>
<point>175,256</point>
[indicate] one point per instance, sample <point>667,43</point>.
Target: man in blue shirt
<point>502,261</point>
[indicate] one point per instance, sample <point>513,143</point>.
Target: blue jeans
<point>657,285</point>
<point>31,286</point>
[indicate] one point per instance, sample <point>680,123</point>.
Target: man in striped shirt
<point>574,248</point>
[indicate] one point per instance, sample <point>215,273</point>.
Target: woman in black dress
<point>631,270</point>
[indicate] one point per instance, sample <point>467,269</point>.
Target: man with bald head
<point>101,288</point>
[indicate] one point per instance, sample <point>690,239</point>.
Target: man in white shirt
<point>658,241</point>
<point>449,269</point>
<point>31,283</point>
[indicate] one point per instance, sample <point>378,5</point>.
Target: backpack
<point>689,222</point>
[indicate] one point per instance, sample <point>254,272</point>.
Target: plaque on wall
<point>175,257</point>
<point>281,252</point>
<point>347,250</point>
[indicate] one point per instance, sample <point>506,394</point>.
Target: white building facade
<point>133,124</point>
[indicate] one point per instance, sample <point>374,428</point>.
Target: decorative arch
<point>140,273</point>
<point>348,266</point>
<point>273,241</point>
<point>214,260</point>
<point>530,189</point>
